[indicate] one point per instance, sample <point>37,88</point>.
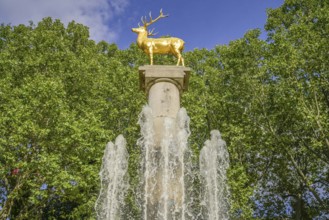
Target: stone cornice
<point>151,74</point>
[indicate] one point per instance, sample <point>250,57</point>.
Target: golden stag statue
<point>169,45</point>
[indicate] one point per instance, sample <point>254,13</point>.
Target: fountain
<point>168,176</point>
<point>166,166</point>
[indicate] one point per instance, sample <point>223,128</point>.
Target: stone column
<point>165,194</point>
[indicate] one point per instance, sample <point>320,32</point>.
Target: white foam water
<point>214,161</point>
<point>164,166</point>
<point>114,182</point>
<point>171,188</point>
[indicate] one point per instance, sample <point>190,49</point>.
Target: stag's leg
<point>151,59</point>
<point>151,55</point>
<point>178,61</point>
<point>179,57</point>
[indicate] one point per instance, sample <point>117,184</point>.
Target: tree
<point>62,98</point>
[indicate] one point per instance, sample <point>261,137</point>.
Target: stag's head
<point>143,29</point>
<point>140,29</point>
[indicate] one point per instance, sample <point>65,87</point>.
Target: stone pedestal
<point>164,187</point>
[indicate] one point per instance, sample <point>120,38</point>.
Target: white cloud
<point>96,14</point>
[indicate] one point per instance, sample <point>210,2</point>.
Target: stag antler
<point>145,23</point>
<point>150,33</point>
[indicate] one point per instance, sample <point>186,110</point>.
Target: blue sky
<point>200,23</point>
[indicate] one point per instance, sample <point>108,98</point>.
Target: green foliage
<point>298,120</point>
<point>62,97</point>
